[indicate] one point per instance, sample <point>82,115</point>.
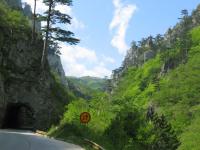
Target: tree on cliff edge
<point>34,21</point>
<point>52,32</point>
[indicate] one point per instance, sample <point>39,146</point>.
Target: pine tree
<point>165,137</point>
<point>52,32</point>
<point>34,22</point>
<point>184,39</point>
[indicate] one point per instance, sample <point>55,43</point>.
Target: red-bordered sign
<point>85,117</point>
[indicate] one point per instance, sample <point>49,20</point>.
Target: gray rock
<point>148,55</point>
<point>23,82</point>
<point>20,82</point>
<point>131,58</point>
<point>27,11</point>
<point>116,74</point>
<point>14,3</point>
<point>56,66</point>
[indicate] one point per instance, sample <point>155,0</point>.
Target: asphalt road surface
<point>26,140</point>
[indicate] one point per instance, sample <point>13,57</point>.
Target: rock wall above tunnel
<point>22,80</point>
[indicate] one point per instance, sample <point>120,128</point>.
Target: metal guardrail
<point>87,141</point>
<point>94,145</point>
<point>42,133</point>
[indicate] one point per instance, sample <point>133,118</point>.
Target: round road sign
<point>85,117</point>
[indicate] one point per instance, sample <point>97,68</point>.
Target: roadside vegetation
<point>120,120</point>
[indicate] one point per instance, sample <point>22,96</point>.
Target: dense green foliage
<point>60,92</point>
<point>12,19</point>
<point>179,94</point>
<point>12,22</point>
<point>119,120</point>
<point>89,82</point>
<point>165,137</point>
<point>86,87</point>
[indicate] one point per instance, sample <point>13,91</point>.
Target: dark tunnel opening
<point>19,116</point>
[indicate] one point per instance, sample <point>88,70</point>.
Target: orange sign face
<point>85,117</point>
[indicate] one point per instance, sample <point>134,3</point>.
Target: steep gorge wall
<point>14,3</point>
<point>56,66</point>
<point>53,59</point>
<point>23,81</point>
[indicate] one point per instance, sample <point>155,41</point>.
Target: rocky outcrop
<point>14,3</point>
<point>56,67</point>
<point>196,16</point>
<point>148,55</point>
<point>53,59</point>
<point>135,57</point>
<point>131,58</point>
<point>26,9</point>
<point>116,74</point>
<point>23,83</point>
<point>28,12</point>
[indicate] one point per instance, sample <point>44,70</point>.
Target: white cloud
<point>64,9</point>
<point>76,59</point>
<point>78,52</point>
<point>77,24</point>
<point>108,59</point>
<point>122,15</point>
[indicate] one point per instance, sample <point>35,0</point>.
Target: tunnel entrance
<point>19,116</point>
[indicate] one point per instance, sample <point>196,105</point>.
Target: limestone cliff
<point>54,60</point>
<point>22,82</point>
<point>17,4</point>
<point>56,66</point>
<point>135,57</point>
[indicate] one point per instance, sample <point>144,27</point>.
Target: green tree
<point>165,137</point>
<point>34,21</point>
<point>184,36</point>
<point>52,32</point>
<point>159,43</point>
<point>125,128</point>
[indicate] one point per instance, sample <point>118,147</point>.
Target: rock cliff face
<point>26,91</point>
<point>28,12</point>
<point>135,57</point>
<point>56,66</point>
<point>14,3</point>
<point>53,59</point>
<point>21,82</point>
<point>148,55</point>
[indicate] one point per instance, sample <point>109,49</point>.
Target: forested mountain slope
<point>86,87</point>
<point>90,82</point>
<point>154,102</point>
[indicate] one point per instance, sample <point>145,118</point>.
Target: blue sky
<point>107,27</point>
